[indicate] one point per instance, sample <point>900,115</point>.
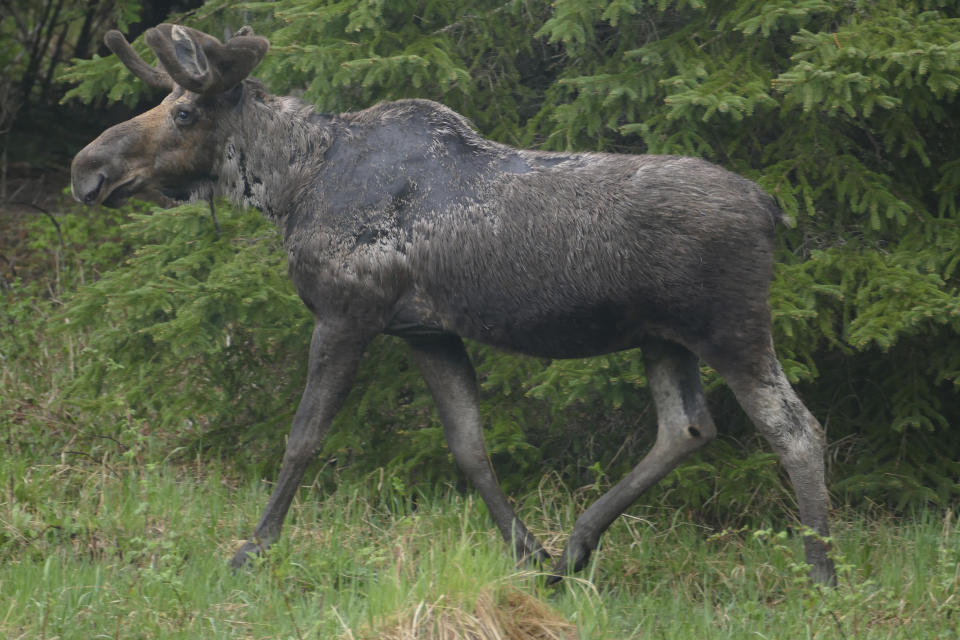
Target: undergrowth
<point>116,549</point>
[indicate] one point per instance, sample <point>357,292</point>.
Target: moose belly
<point>574,333</point>
<point>579,331</point>
<point>557,339</point>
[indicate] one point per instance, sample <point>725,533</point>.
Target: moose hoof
<point>575,557</point>
<point>242,558</point>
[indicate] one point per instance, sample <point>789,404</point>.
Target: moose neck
<point>257,169</point>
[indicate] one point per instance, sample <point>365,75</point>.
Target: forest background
<point>845,111</point>
<point>147,335</point>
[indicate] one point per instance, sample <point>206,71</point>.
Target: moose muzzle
<point>106,170</point>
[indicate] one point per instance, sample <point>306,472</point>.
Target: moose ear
<point>245,30</point>
<point>188,54</point>
<point>182,56</point>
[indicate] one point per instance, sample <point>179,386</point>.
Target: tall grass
<point>115,550</point>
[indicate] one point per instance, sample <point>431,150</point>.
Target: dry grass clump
<point>508,615</point>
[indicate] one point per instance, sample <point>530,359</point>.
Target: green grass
<point>121,549</point>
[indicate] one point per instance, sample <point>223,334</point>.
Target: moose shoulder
<point>401,219</point>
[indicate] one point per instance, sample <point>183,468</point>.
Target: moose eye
<point>183,115</point>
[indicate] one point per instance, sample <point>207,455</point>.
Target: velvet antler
<point>200,63</point>
<point>131,59</point>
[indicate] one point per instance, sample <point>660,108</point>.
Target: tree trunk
<point>44,33</point>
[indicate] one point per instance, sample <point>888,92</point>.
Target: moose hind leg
<point>798,440</point>
<point>683,426</point>
<point>446,367</point>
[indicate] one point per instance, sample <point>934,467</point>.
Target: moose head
<point>171,148</point>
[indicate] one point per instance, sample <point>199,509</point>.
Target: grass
<point>121,549</point>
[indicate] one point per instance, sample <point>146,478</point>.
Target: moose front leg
<point>334,355</point>
<point>446,367</point>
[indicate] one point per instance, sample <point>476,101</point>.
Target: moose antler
<point>194,60</point>
<point>151,75</point>
<point>200,63</point>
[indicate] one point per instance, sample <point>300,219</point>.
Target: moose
<point>401,219</point>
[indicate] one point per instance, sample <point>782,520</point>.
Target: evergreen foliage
<point>845,111</point>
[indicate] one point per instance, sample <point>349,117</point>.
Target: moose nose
<point>86,189</point>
